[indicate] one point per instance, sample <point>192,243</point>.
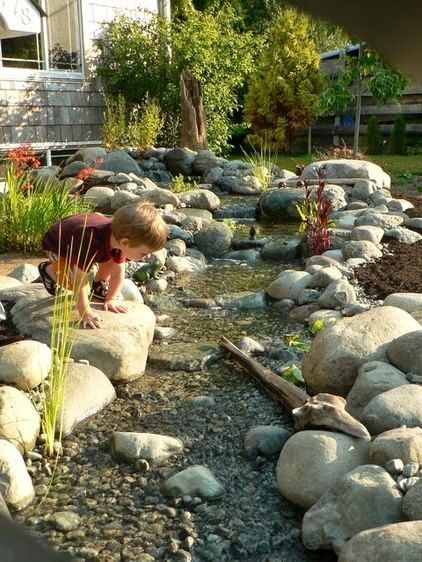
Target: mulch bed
<point>398,271</point>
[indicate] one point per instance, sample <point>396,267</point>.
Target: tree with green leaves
<point>140,58</point>
<point>366,73</point>
<point>286,83</point>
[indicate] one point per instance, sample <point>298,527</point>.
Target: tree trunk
<point>193,131</point>
<point>358,107</point>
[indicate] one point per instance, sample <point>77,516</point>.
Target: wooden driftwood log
<point>322,410</point>
<point>193,130</point>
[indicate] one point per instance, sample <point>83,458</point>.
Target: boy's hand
<point>91,320</point>
<point>114,306</point>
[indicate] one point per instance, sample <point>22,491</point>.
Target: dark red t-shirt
<point>85,239</point>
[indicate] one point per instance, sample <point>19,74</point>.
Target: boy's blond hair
<point>141,223</point>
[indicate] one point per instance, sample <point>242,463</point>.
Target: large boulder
<point>342,511</point>
<point>373,378</point>
<point>391,409</point>
<point>399,542</point>
<point>338,352</point>
<point>412,502</point>
<point>214,240</point>
<point>89,155</point>
<point>179,161</point>
<point>313,461</point>
<point>99,197</point>
<point>119,161</point>
<point>344,168</point>
<point>119,349</point>
<point>204,161</point>
<point>401,352</point>
<point>87,391</point>
<point>280,204</point>
<point>406,301</point>
<point>404,443</point>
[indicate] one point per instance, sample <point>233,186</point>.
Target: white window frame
<point>11,73</point>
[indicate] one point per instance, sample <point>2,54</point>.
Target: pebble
<point>410,469</point>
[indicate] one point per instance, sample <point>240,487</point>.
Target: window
<point>57,47</point>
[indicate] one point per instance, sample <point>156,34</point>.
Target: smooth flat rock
<point>119,349</point>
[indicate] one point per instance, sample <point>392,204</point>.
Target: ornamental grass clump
<point>65,322</point>
<point>30,206</point>
<point>314,213</point>
<point>262,160</point>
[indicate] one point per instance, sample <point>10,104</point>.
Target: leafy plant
<point>262,162</point>
<point>294,375</point>
<point>179,184</point>
<point>145,56</point>
<point>314,213</point>
<point>320,325</point>
<point>286,81</point>
<point>138,127</point>
<point>403,177</point>
<point>28,209</point>
<point>295,340</point>
<point>230,223</point>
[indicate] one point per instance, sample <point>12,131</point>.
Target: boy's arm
<point>117,276</point>
<point>80,284</point>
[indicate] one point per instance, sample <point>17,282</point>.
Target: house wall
<point>58,110</point>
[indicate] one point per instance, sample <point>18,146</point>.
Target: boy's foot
<point>99,289</point>
<point>48,282</point>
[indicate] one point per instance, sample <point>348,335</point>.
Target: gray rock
<point>400,205</point>
<point>401,352</point>
<point>179,161</point>
<point>203,402</point>
<point>15,483</point>
<point>156,449</point>
<point>342,511</point>
<point>175,232</point>
<point>337,353</point>
<point>288,284</point>
<point>119,349</point>
<point>361,249</point>
<point>122,198</point>
<point>24,364</point>
<point>250,255</point>
<point>200,199</point>
<point>345,168</point>
<point>265,440</point>
<point>325,276</point>
<point>410,469</point>
<point>313,460</point>
<point>373,378</point>
<point>404,443</point>
<point>382,220</point>
<point>281,250</point>
<point>414,223</point>
<point>87,391</point>
<point>88,155</point>
<point>185,264</point>
<point>162,333</point>
<point>119,161</point>
<point>195,481</point>
<point>65,520</point>
<point>391,409</point>
<point>403,235</point>
<point>214,240</point>
<point>250,346</point>
<point>280,204</point>
<point>412,502</point>
<point>19,420</point>
<point>372,234</point>
<point>406,301</point>
<point>100,197</point>
<point>338,293</point>
<point>248,300</point>
<point>394,466</point>
<point>363,189</point>
<point>25,273</point>
<point>400,541</point>
<point>176,247</point>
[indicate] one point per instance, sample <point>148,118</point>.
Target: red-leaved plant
<point>315,216</point>
<point>23,157</point>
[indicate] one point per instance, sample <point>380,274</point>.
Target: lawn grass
<point>392,164</point>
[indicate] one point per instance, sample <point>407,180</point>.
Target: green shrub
<point>397,144</point>
<point>373,136</point>
<point>262,161</point>
<point>28,209</point>
<point>138,127</point>
<point>136,61</point>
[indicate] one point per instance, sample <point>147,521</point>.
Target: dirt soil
<point>400,268</point>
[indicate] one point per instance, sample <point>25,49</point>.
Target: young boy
<point>76,242</point>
